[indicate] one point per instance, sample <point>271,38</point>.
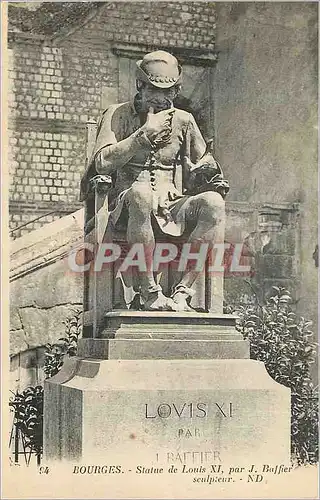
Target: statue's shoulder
<point>182,115</point>
<point>123,107</point>
<point>183,118</point>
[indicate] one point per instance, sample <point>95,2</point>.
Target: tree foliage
<point>28,405</point>
<point>283,341</point>
<point>66,346</point>
<point>28,412</point>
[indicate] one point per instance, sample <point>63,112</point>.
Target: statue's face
<point>158,99</point>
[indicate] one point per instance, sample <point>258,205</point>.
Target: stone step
<point>162,349</point>
<point>165,335</point>
<point>162,317</point>
<point>171,332</point>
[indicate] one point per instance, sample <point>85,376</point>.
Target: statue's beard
<point>158,104</point>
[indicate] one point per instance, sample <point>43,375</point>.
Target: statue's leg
<point>139,202</point>
<point>206,213</point>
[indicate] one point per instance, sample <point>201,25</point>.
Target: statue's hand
<point>200,173</point>
<point>203,166</point>
<point>173,194</point>
<point>168,195</point>
<point>158,127</point>
<point>206,175</point>
<point>164,201</point>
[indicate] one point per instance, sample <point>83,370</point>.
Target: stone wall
<point>43,294</point>
<point>270,238</point>
<point>170,24</point>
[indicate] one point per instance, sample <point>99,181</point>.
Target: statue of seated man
<point>140,144</point>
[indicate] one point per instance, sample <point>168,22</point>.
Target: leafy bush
<point>283,342</point>
<point>28,405</point>
<point>28,412</point>
<point>67,346</point>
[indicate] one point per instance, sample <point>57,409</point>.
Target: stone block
<point>281,242</point>
<point>44,325</point>
<point>149,324</point>
<point>164,411</point>
<point>15,320</point>
<point>277,266</point>
<point>48,287</point>
<point>161,348</point>
<point>163,335</point>
<point>18,342</point>
<point>237,291</point>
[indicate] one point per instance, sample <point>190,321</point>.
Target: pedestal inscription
<point>168,411</point>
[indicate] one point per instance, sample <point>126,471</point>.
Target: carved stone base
<point>164,412</point>
<point>160,388</point>
<point>165,335</point>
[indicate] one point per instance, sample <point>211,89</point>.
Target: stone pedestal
<point>165,411</point>
<point>165,335</point>
<point>162,389</point>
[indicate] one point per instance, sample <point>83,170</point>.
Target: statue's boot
<point>181,296</point>
<point>155,300</point>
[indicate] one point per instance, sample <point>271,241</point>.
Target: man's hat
<point>159,68</point>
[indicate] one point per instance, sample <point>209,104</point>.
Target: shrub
<point>67,346</point>
<point>28,405</point>
<point>283,342</point>
<point>28,413</point>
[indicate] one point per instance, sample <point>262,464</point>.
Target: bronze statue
<point>141,145</point>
